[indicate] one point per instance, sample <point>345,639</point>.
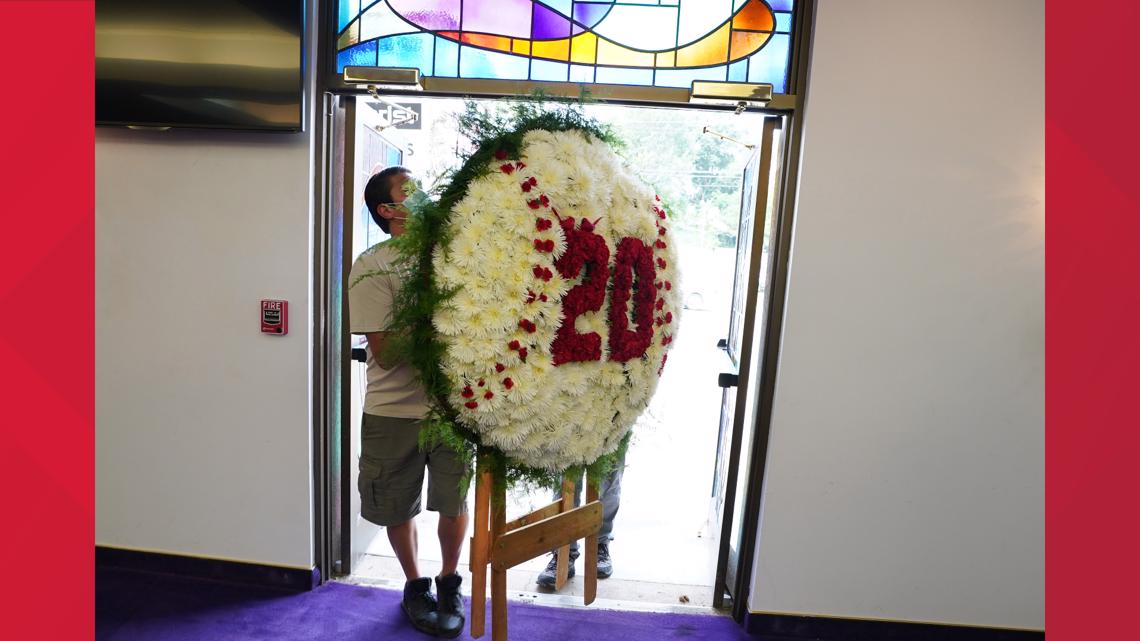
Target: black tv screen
<point>230,64</point>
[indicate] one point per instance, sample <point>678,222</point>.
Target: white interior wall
<point>905,476</point>
<point>203,425</point>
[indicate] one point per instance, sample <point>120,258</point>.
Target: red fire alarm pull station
<point>275,317</point>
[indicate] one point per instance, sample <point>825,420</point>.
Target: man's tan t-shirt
<point>372,287</point>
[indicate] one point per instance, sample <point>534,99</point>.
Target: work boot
<point>419,605</point>
<point>450,613</point>
<point>549,577</point>
<point>605,565</point>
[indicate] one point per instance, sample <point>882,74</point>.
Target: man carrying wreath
<point>391,462</point>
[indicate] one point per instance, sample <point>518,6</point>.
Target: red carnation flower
<point>468,392</point>
<point>471,405</point>
<point>660,304</point>
<point>657,197</point>
<point>499,367</point>
<point>481,382</point>
<point>543,298</point>
<point>668,285</point>
<point>659,284</point>
<point>507,168</point>
<point>489,395</point>
<point>508,383</point>
<point>545,200</point>
<point>542,224</point>
<point>522,354</point>
<point>520,164</point>
<point>534,204</point>
<point>526,187</point>
<point>660,244</point>
<point>513,345</point>
<point>661,231</point>
<point>668,317</point>
<point>661,263</point>
<point>501,154</point>
<point>533,181</point>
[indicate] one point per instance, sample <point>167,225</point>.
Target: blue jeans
<point>610,495</point>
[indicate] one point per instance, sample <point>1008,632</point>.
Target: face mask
<point>414,199</point>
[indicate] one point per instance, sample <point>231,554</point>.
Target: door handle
<point>728,379</point>
<point>359,355</point>
<point>722,343</point>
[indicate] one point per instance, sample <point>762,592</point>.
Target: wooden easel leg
<point>480,547</point>
<point>590,590</point>
<point>563,573</point>
<point>498,577</point>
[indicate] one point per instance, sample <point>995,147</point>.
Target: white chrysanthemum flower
<point>446,321</point>
<point>464,253</point>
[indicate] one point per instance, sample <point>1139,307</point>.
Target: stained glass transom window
<point>654,43</point>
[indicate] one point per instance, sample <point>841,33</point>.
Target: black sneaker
<point>450,612</point>
<point>605,565</point>
<point>420,606</point>
<point>549,577</point>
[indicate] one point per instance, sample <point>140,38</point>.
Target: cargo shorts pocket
<point>389,491</point>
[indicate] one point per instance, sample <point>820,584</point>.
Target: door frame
<point>726,571</point>
<point>329,418</point>
<point>783,226</point>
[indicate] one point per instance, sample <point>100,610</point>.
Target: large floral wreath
<point>543,298</point>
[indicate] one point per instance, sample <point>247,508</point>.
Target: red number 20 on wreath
<point>633,264</point>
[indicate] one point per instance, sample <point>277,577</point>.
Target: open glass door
<point>742,349</point>
<point>366,152</point>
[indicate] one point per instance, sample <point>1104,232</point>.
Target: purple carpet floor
<point>132,606</point>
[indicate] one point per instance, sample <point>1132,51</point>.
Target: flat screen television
<point>223,64</point>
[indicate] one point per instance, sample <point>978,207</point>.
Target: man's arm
<point>377,342</point>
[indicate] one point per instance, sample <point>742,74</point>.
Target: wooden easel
<point>503,545</point>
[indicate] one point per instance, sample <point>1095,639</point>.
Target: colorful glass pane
<point>582,73</point>
<point>738,71</point>
<point>663,43</point>
<point>503,17</point>
<point>379,21</point>
<point>697,19</point>
<point>346,11</point>
<point>548,24</point>
<point>544,71</point>
<point>433,15</point>
<point>479,63</point>
<point>783,22</point>
<point>706,51</point>
<point>649,28</point>
<point>446,58</point>
<point>771,63</point>
<point>584,48</point>
<point>409,50</point>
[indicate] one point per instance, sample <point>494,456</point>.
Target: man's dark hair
<point>378,192</point>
